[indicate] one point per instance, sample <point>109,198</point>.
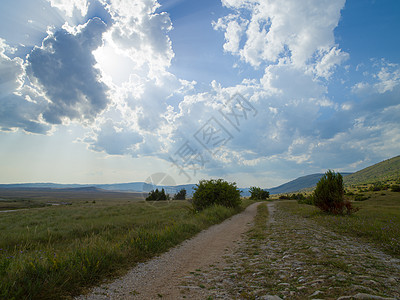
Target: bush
<point>157,195</point>
<point>211,192</point>
<point>181,195</point>
<point>298,197</point>
<point>329,194</point>
<point>258,193</point>
<point>395,188</point>
<point>306,200</point>
<point>360,197</point>
<point>378,186</point>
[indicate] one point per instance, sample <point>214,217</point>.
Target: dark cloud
<point>64,66</point>
<point>21,109</point>
<point>16,112</point>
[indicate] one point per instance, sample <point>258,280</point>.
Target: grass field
<point>377,221</point>
<point>55,251</point>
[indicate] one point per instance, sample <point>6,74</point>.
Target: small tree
<point>258,193</point>
<point>181,195</point>
<point>157,195</point>
<point>210,192</point>
<point>329,194</point>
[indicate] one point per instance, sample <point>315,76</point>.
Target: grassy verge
<point>54,252</point>
<point>260,220</point>
<point>377,221</point>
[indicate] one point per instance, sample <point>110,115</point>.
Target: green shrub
<point>395,188</point>
<point>220,192</point>
<point>329,194</point>
<point>306,200</point>
<point>181,195</point>
<point>258,193</point>
<point>360,197</point>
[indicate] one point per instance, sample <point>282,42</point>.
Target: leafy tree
<point>329,194</point>
<point>258,193</point>
<point>181,195</point>
<point>210,192</point>
<point>156,195</point>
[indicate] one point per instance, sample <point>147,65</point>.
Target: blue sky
<point>256,92</point>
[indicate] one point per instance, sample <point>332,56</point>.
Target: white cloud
<point>384,77</point>
<point>20,107</point>
<point>388,78</point>
<point>289,28</point>
<point>140,33</point>
<point>11,71</point>
<point>234,28</point>
<point>115,138</point>
<point>70,6</point>
<point>330,59</point>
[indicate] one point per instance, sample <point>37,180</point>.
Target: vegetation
<point>383,171</point>
<point>329,194</point>
<point>377,221</point>
<point>156,195</point>
<point>181,195</point>
<point>258,193</point>
<point>216,192</point>
<point>52,252</point>
<point>258,229</point>
<point>298,196</point>
<point>360,197</point>
<point>395,188</point>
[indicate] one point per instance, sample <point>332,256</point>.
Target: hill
<point>298,184</point>
<point>386,170</point>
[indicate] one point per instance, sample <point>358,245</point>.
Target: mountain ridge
<point>387,169</point>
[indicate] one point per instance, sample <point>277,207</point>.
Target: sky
<point>257,92</point>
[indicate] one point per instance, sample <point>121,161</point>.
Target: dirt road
<point>299,259</point>
<point>161,277</point>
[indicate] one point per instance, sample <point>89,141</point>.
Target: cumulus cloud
<point>140,33</point>
<point>329,59</point>
<point>19,107</point>
<point>276,29</point>
<point>70,6</point>
<point>114,138</point>
<point>149,93</point>
<point>64,68</point>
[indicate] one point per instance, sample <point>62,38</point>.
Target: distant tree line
<point>157,195</point>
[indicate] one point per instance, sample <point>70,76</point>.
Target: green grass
<point>386,170</point>
<point>377,221</point>
<point>258,230</point>
<point>54,252</point>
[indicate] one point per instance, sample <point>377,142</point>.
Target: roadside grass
<point>377,221</point>
<point>258,230</point>
<point>55,252</point>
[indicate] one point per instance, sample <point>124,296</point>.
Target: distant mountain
<point>386,170</point>
<point>300,183</point>
<point>42,185</point>
<point>138,187</point>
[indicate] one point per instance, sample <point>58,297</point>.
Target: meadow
<point>56,251</point>
<point>377,221</point>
